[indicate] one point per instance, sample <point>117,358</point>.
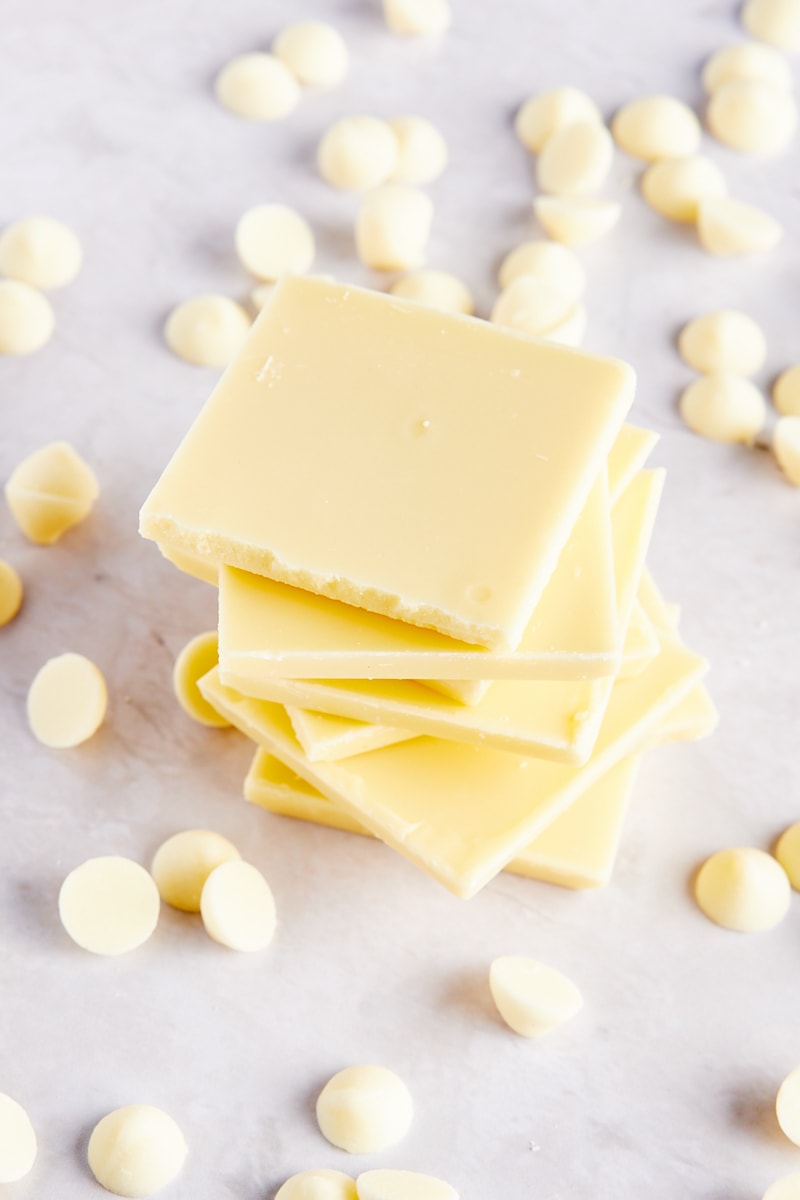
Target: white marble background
<point>663,1087</point>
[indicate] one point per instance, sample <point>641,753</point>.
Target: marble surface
<point>664,1085</point>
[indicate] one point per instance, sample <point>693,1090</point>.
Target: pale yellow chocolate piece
<point>655,127</point>
<point>552,263</point>
<point>641,644</point>
<point>743,889</point>
<point>724,340</point>
<point>137,1150</point>
<point>437,289</point>
<point>237,907</point>
<point>728,227</point>
<point>427,797</point>
<point>261,295</point>
<point>786,447</point>
<point>27,320</point>
<point>50,491</point>
<point>674,187</point>
<point>724,407</point>
<point>273,240</point>
<point>314,52</point>
<point>570,331</point>
<point>575,160</point>
<point>626,457</point>
<point>747,60</point>
<point>258,87</point>
<point>195,660</point>
<point>786,392</point>
<point>40,251</point>
<point>418,18</point>
<point>327,739</point>
<point>774,21</point>
<point>183,863</point>
<point>67,701</point>
<point>319,1184</point>
<point>10,593</point>
<point>393,226</point>
<point>358,153</point>
<point>421,150</point>
<point>17,1141</point>
<point>530,305</point>
<point>545,114</point>
<point>787,853</point>
<point>753,117</point>
<point>207,330</point>
<point>576,220</point>
<point>531,997</point>
<point>365,1109</point>
<point>306,386</point>
<point>787,1106</point>
<point>109,905</point>
<point>384,1184</point>
<point>787,1188</point>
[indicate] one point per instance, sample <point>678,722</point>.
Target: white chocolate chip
<point>358,153</point>
<point>17,1141</point>
<point>787,853</point>
<point>258,87</point>
<point>786,447</point>
<point>50,491</point>
<point>238,908</point>
<point>748,60</point>
<point>575,160</point>
<point>655,127</point>
<point>402,1185</point>
<point>725,408</point>
<point>551,262</point>
<point>207,331</point>
<point>724,340</point>
<point>753,117</point>
<point>109,905</point>
<point>196,659</point>
<point>787,1106</point>
<point>314,52</point>
<point>729,227</point>
<point>576,220</point>
<point>365,1109</point>
<point>531,306</point>
<point>570,331</point>
<point>67,701</point>
<point>137,1150</point>
<point>787,1188</point>
<point>320,1184</point>
<point>548,112</point>
<point>436,289</point>
<point>10,593</point>
<point>531,997</point>
<point>183,863</point>
<point>273,240</point>
<point>261,295</point>
<point>393,227</point>
<point>40,251</point>
<point>774,21</point>
<point>743,889</point>
<point>674,187</point>
<point>418,18</point>
<point>27,320</point>
<point>786,392</point>
<point>421,150</point>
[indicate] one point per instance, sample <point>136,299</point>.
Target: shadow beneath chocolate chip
<point>469,992</point>
<point>753,1109</point>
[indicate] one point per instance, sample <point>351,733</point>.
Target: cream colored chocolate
<point>207,330</point>
<point>655,127</point>
<point>27,320</point>
<point>237,907</point>
<point>327,739</point>
<point>195,660</point>
<point>552,263</point>
<point>437,289</point>
<point>258,87</point>
<point>547,113</point>
<point>421,150</point>
<point>743,889</point>
<point>786,447</point>
<point>575,160</point>
<point>576,220</point>
<point>67,701</point>
<point>786,392</point>
<point>365,1109</point>
<point>314,52</point>
<point>358,153</point>
<point>393,227</point>
<point>787,1106</point>
<point>385,1184</point>
<point>427,797</point>
<point>10,593</point>
<point>723,340</point>
<point>628,455</point>
<point>753,117</point>
<point>17,1141</point>
<point>724,407</point>
<point>570,331</point>
<point>50,491</point>
<point>109,905</point>
<point>418,18</point>
<point>747,60</point>
<point>774,21</point>
<point>531,997</point>
<point>531,305</point>
<point>183,863</point>
<point>304,387</point>
<point>786,1188</point>
<point>674,187</point>
<point>137,1150</point>
<point>273,240</point>
<point>40,251</point>
<point>787,853</point>
<point>319,1184</point>
<point>728,227</point>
